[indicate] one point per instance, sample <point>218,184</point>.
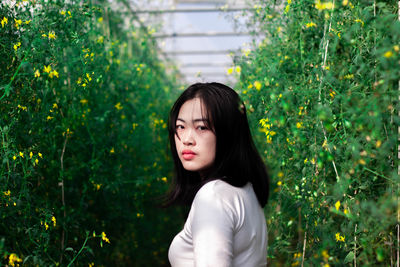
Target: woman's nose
<point>188,138</point>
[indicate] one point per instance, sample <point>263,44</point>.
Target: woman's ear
<point>241,108</point>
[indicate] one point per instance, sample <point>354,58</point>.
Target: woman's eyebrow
<point>195,120</point>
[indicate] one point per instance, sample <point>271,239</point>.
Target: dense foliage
<point>84,100</point>
<point>323,90</point>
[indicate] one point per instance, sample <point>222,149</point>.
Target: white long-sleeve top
<point>225,228</point>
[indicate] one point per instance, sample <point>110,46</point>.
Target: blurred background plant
<point>84,105</point>
<point>322,90</point>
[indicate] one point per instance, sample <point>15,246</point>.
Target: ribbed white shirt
<point>225,228</point>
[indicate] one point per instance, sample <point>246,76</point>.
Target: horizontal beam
<point>210,64</point>
<point>202,74</point>
<point>201,34</point>
<point>192,10</point>
<point>201,52</point>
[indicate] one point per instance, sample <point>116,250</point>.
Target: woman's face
<point>195,143</point>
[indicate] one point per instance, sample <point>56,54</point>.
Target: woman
<point>221,175</point>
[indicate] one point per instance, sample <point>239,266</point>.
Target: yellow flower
<point>53,219</point>
<point>345,2</point>
<point>246,52</point>
<point>311,24</point>
<point>360,21</point>
<point>53,73</point>
<point>100,19</point>
<point>238,69</point>
<point>396,48</point>
<point>134,125</point>
<point>362,162</point>
<point>118,106</point>
<point>46,225</point>
<point>21,154</point>
<point>30,155</point>
<point>279,183</point>
<point>83,101</point>
<point>339,237</point>
<point>287,8</point>
<point>4,21</point>
<point>322,6</point>
<point>378,143</point>
<point>49,118</point>
<point>305,161</point>
<point>257,85</point>
<point>62,12</point>
<point>27,22</point>
<point>44,35</point>
<point>47,69</point>
<point>55,105</point>
<point>229,71</point>
<point>17,45</point>
<point>40,155</point>
<point>299,125</point>
<point>7,194</point>
<point>18,22</point>
<point>13,260</point>
<point>164,179</point>
<point>325,254</point>
<point>37,73</point>
<point>337,205</point>
<point>112,151</point>
<point>388,54</point>
<point>14,157</point>
<point>52,35</point>
<point>22,107</point>
<point>36,161</point>
<point>346,211</point>
<point>104,237</point>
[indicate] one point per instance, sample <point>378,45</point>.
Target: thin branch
<point>355,246</point>
<point>62,194</point>
<point>304,245</point>
<point>325,56</point>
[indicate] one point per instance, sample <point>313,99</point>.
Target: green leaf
<point>349,258</point>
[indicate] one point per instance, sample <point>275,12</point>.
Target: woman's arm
<point>212,228</point>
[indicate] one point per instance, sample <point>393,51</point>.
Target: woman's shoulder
<point>219,189</point>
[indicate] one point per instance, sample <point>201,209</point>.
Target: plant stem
<point>355,246</point>
<point>304,245</point>
<point>62,194</point>
<point>398,166</point>
<point>79,252</point>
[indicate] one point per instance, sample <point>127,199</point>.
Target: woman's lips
<point>188,154</point>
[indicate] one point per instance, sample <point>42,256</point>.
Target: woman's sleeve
<point>212,227</point>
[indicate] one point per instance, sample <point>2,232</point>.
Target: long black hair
<point>237,160</point>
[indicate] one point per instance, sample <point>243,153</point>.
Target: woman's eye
<point>202,128</point>
<point>179,127</point>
